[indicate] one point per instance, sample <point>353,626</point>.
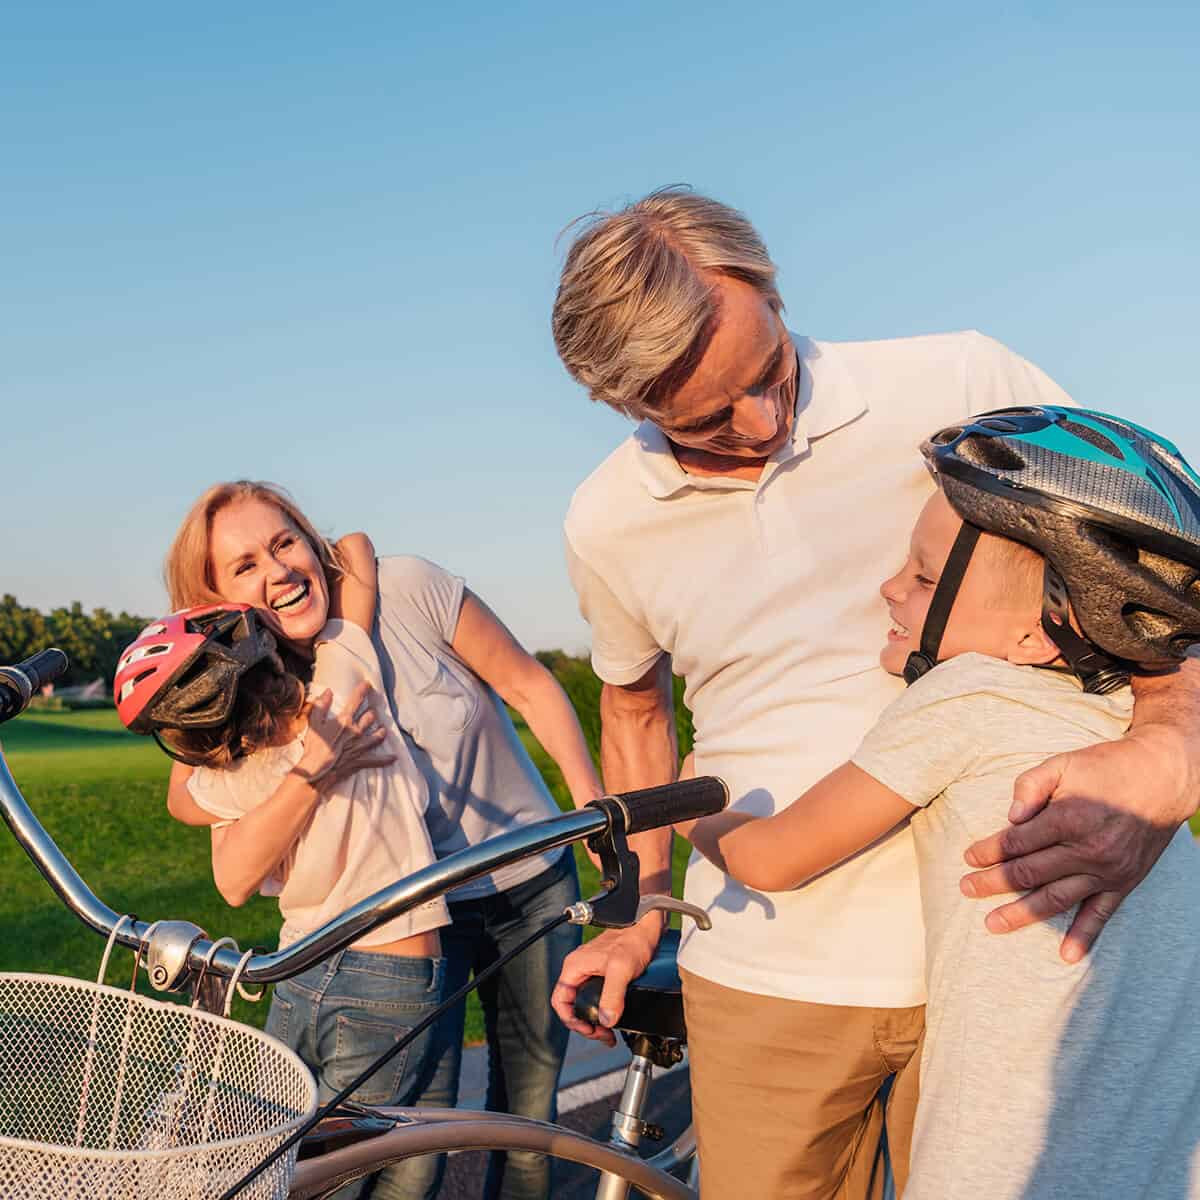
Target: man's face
<point>740,400</point>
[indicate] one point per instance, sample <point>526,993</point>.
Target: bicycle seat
<point>653,1001</point>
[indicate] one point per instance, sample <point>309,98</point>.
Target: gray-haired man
<point>738,536</point>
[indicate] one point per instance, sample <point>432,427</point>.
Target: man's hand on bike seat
<point>620,956</point>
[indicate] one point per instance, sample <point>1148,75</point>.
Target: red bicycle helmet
<point>182,671</point>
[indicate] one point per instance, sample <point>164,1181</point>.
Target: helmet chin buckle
<point>916,665</point>
<point>1095,670</point>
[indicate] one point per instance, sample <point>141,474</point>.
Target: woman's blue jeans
<point>341,1015</point>
<point>526,1041</point>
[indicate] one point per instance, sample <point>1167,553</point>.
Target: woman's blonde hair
<point>188,570</point>
<point>634,313</point>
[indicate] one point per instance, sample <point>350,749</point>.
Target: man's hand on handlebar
<point>620,956</point>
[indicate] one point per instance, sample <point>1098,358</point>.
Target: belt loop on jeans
<point>331,969</point>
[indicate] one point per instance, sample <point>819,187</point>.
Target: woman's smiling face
<point>259,557</point>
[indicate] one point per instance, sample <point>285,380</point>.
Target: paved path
<point>586,1061</point>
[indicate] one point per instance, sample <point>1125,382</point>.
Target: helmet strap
<point>926,658</point>
<point>1091,666</point>
<point>170,753</point>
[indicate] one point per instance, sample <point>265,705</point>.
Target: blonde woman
<point>448,667</point>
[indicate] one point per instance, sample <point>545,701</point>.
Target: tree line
<point>93,641</point>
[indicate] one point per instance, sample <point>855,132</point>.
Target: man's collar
<point>826,399</point>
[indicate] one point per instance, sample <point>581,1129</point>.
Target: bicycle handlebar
<point>384,905</point>
<point>656,807</point>
<point>19,684</point>
<point>644,810</point>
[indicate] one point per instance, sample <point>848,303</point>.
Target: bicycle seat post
<point>628,1128</point>
<point>652,1025</point>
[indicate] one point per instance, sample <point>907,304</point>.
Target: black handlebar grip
<point>656,807</point>
<point>44,667</point>
<point>19,684</point>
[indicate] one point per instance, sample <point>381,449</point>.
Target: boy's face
<point>989,616</point>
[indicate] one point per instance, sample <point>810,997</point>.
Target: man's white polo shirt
<point>766,597</point>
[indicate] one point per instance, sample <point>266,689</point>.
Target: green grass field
<point>100,792</point>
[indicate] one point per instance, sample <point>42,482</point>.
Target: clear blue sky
<point>317,244</point>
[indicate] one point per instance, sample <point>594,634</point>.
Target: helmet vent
<point>1148,623</point>
<point>1181,643</point>
<point>944,437</point>
<point>1120,547</point>
<point>990,453</point>
<point>1181,578</point>
<point>1097,439</point>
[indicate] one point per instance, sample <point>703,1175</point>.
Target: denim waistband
<point>315,981</point>
<point>393,966</point>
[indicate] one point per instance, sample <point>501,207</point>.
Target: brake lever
<point>591,912</point>
<point>619,906</point>
<point>654,902</point>
<point>620,869</point>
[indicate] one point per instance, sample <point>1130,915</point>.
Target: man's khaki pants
<point>785,1094</point>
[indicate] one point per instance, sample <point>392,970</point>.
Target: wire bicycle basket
<point>108,1095</point>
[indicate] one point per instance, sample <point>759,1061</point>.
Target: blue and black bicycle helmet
<point>1113,508</point>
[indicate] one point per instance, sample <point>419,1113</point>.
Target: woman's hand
<point>336,746</point>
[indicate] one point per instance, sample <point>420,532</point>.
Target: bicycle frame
<point>420,1131</point>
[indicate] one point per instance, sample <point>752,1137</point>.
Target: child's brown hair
<point>267,705</point>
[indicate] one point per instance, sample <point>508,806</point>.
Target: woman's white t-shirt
<point>364,834</point>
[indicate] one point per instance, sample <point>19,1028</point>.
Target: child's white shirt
<point>1039,1079</point>
<point>365,833</point>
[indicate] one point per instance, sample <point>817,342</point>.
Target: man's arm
<point>1088,826</point>
<point>638,749</point>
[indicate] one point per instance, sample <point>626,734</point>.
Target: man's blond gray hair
<point>635,312</point>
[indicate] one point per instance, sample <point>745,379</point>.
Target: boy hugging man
<point>1061,554</point>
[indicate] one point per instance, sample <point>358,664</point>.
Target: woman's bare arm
<point>490,650</point>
